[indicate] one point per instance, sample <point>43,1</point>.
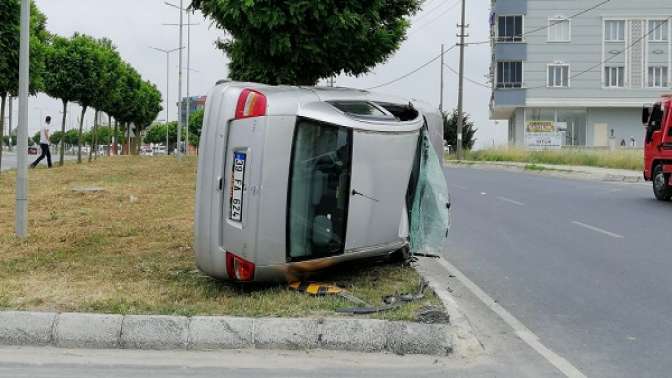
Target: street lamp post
<point>167,52</point>
<point>22,132</point>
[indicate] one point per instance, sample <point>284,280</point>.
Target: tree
<point>36,138</point>
<point>88,59</point>
<point>71,137</point>
<point>195,126</point>
<point>450,130</point>
<point>9,52</point>
<point>302,41</point>
<point>56,137</point>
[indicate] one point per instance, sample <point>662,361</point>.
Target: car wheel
<point>661,189</point>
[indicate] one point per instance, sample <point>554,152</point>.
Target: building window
<point>658,30</point>
<point>614,31</point>
<point>510,28</point>
<point>509,74</point>
<point>658,77</point>
<point>614,77</point>
<point>558,76</point>
<point>559,29</point>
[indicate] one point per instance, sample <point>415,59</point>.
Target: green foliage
<point>55,137</point>
<point>36,138</point>
<point>450,130</point>
<point>103,136</point>
<point>71,137</point>
<point>195,126</point>
<point>156,134</point>
<point>302,41</point>
<point>10,43</point>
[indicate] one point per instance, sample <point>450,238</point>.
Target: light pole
<point>180,7</point>
<point>22,134</point>
<point>167,52</point>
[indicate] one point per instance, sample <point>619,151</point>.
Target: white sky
<point>135,25</point>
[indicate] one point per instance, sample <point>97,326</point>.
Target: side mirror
<point>646,115</point>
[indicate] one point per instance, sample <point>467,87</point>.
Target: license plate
<point>237,186</point>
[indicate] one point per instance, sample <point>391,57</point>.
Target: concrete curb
<point>94,331</point>
<point>465,342</point>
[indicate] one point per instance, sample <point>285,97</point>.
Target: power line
<point>429,12</point>
<point>413,71</point>
<point>473,81</point>
<point>421,27</point>
<point>552,23</point>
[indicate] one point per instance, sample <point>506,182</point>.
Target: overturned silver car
<point>295,179</point>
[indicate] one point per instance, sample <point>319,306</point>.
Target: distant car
<point>146,151</point>
<point>160,150</point>
<point>32,150</point>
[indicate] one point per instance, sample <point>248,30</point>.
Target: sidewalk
<point>570,171</point>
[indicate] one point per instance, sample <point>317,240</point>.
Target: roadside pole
<point>460,97</point>
<point>22,131</point>
<point>11,119</point>
<point>179,87</point>
<point>186,144</point>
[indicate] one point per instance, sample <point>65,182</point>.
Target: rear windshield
<point>319,191</point>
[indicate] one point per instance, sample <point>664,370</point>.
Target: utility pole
<point>11,118</point>
<point>22,134</point>
<point>442,69</point>
<point>167,52</point>
<point>186,150</point>
<point>460,97</point>
<point>179,87</point>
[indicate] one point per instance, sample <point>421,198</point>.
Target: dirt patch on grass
<point>128,249</point>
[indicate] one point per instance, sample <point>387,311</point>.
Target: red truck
<point>658,147</point>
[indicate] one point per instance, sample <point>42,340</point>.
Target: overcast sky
<point>135,25</point>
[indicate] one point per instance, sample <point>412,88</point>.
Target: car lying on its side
<point>295,179</point>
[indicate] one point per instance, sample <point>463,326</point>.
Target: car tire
<point>661,189</point>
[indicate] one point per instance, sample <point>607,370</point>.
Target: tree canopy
<point>302,41</point>
<point>195,126</point>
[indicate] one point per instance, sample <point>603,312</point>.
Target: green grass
<point>128,250</point>
<point>620,159</point>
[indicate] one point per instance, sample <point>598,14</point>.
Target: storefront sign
<point>543,135</point>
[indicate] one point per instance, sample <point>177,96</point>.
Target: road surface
<point>9,159</point>
<point>584,265</point>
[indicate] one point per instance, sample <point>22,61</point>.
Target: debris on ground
<point>86,190</point>
<point>321,289</point>
<point>432,315</point>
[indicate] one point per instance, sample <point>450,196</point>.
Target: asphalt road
<point>9,159</point>
<point>584,265</point>
<point>16,362</point>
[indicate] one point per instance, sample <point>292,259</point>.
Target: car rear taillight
<point>251,104</point>
<point>238,268</point>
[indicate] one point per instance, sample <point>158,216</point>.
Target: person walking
<point>44,144</point>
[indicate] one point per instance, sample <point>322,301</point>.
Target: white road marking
<point>598,230</point>
<point>459,186</point>
<point>519,328</point>
<point>509,200</point>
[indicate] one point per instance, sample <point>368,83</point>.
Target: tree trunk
<point>128,138</point>
<point>93,135</point>
<point>114,137</point>
<point>65,113</point>
<point>2,126</point>
<point>111,137</point>
<point>81,139</point>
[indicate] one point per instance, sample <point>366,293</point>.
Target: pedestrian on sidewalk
<point>44,144</point>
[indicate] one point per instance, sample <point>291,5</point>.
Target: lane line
<point>509,200</point>
<point>598,230</point>
<point>524,333</point>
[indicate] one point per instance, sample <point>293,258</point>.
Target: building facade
<point>195,103</point>
<point>564,74</point>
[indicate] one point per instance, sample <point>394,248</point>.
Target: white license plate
<point>237,186</point>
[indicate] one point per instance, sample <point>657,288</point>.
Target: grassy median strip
<point>127,249</point>
<point>619,159</point>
